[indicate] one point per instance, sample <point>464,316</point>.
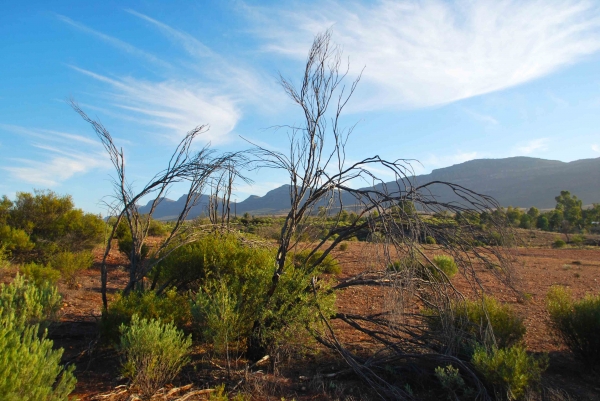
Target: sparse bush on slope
<point>153,353</point>
<point>29,368</point>
<point>577,323</point>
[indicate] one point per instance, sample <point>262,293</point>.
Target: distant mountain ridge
<point>514,181</point>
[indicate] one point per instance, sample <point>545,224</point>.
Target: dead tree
<point>321,178</point>
<point>199,170</point>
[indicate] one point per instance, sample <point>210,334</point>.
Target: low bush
<point>577,323</point>
<point>559,243</point>
<point>424,270</point>
<point>220,317</point>
<point>477,320</point>
<point>446,264</point>
<point>218,256</point>
<point>430,240</point>
<point>30,304</point>
<point>126,245</point>
<point>169,307</point>
<point>453,383</point>
<point>343,246</point>
<point>40,274</point>
<point>328,265</point>
<point>509,371</point>
<point>70,263</point>
<point>153,353</point>
<point>30,368</point>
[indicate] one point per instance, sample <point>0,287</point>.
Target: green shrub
<point>169,307</point>
<point>29,303</point>
<point>577,323</point>
<point>157,228</point>
<point>153,353</point>
<point>30,368</point>
<point>411,263</point>
<point>507,326</point>
<point>577,240</point>
<point>14,239</point>
<point>558,243</point>
<point>126,245</point>
<point>69,264</point>
<point>344,246</point>
<point>218,256</point>
<point>328,265</point>
<point>39,273</point>
<point>425,270</point>
<point>452,382</point>
<point>474,319</point>
<point>219,313</point>
<point>446,264</point>
<point>509,371</point>
<point>430,240</point>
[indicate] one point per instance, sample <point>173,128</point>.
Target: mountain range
<point>514,181</point>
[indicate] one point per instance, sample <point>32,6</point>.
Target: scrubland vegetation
<point>256,293</point>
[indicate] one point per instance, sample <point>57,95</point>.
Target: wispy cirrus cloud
<point>484,118</point>
<point>187,94</point>
<point>118,43</point>
<point>424,53</point>
<point>534,145</point>
<point>176,106</point>
<point>60,156</point>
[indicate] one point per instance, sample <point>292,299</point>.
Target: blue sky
<point>444,82</point>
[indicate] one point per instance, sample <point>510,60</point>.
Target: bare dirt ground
<point>537,269</point>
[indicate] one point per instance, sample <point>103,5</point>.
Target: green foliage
<point>51,222</point>
<point>69,264</point>
<point>507,326</point>
<point>430,240</point>
<point>477,320</point>
<point>343,246</point>
<point>559,243</point>
<point>426,271</point>
<point>169,307</point>
<point>221,316</point>
<point>533,212</point>
<point>126,245</point>
<point>14,239</point>
<point>30,368</point>
<point>577,323</point>
<point>446,264</point>
<point>543,223</point>
<point>213,256</point>
<point>509,371</point>
<point>328,265</point>
<point>577,240</point>
<point>153,353</point>
<point>30,304</point>
<point>39,273</point>
<point>157,228</point>
<point>525,222</point>
<point>452,382</point>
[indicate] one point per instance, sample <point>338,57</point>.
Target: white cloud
<point>481,117</point>
<point>596,148</point>
<point>55,170</point>
<point>124,46</point>
<point>176,106</point>
<point>424,53</point>
<point>532,146</point>
<point>61,156</point>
